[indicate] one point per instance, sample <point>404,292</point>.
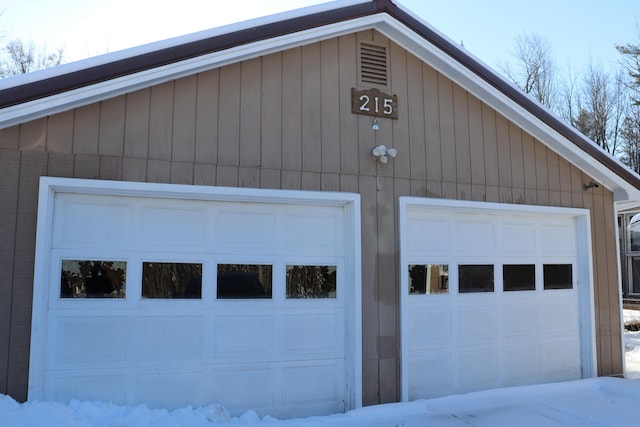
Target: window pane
<point>634,241</point>
<point>634,234</point>
<point>311,281</point>
<point>171,280</point>
<point>475,278</point>
<point>93,279</point>
<point>519,277</point>
<point>428,279</point>
<point>635,274</point>
<point>238,281</point>
<point>558,276</point>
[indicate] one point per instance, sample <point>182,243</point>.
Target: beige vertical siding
<point>9,187</point>
<point>285,121</point>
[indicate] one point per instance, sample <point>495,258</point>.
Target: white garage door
<point>491,296</point>
<point>175,302</point>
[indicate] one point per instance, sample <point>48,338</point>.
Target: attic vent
<point>373,64</point>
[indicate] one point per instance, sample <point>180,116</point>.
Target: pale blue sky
<point>580,31</point>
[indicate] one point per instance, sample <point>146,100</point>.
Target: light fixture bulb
<point>392,152</point>
<point>380,150</point>
<point>383,159</point>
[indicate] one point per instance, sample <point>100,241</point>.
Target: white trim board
<point>49,187</point>
<point>584,274</point>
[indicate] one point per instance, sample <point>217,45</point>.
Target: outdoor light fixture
<point>376,124</point>
<point>383,153</point>
<point>591,184</point>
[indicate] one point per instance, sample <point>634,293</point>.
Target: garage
<point>493,295</point>
<point>190,164</point>
<point>182,295</point>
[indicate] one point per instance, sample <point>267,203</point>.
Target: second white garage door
<point>492,296</point>
<point>172,298</point>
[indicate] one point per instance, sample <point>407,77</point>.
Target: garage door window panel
<point>311,281</point>
<point>474,278</point>
<point>244,281</point>
<point>428,279</point>
<point>93,279</point>
<point>558,276</point>
<point>171,280</point>
<point>519,277</point>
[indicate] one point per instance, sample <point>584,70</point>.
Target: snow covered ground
<point>632,345</point>
<point>632,354</point>
<point>590,402</point>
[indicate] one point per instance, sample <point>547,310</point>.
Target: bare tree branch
<point>535,69</point>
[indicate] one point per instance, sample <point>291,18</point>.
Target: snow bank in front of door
<point>593,402</point>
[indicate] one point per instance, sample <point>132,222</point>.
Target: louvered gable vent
<point>373,64</point>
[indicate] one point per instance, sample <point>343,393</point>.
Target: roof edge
<point>124,66</point>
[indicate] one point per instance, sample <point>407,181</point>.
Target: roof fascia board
<point>129,83</point>
<point>172,43</point>
<point>27,88</point>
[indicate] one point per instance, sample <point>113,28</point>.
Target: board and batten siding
<point>284,121</point>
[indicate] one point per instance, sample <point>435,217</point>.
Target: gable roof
<point>46,92</point>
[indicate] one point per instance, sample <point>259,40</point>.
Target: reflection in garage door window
<point>558,276</point>
<point>171,280</point>
<point>428,279</point>
<point>242,281</point>
<point>93,279</point>
<point>475,278</point>
<point>311,281</point>
<point>519,277</point>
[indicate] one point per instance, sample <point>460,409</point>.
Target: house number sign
<point>372,102</point>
